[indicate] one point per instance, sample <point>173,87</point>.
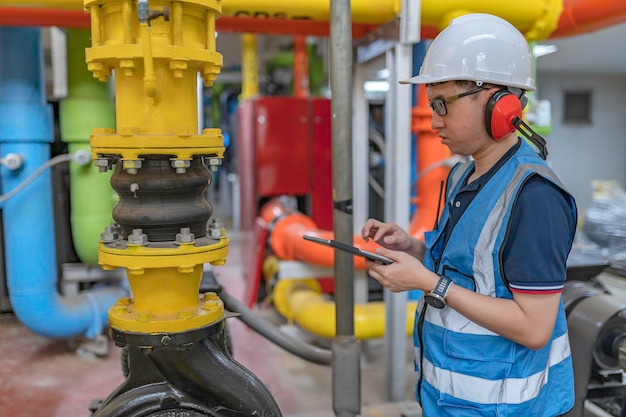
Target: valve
<point>146,14</point>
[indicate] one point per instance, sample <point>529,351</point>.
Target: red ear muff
<point>502,108</point>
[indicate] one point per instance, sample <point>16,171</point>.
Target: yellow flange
<point>105,142</point>
<point>126,316</point>
<point>164,281</point>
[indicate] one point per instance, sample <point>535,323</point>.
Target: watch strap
<point>442,287</point>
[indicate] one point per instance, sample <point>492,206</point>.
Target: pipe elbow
<point>53,316</point>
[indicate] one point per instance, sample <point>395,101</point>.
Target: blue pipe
<point>26,128</point>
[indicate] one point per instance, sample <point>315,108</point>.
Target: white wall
<point>582,153</point>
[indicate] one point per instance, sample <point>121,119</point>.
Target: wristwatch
<point>437,297</point>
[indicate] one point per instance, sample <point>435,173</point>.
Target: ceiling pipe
<point>537,19</point>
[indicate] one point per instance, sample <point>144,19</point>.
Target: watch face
<point>434,301</point>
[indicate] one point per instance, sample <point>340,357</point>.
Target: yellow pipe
<point>249,67</point>
<point>536,19</point>
<point>302,302</point>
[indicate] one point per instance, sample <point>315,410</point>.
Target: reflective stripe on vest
<point>486,391</point>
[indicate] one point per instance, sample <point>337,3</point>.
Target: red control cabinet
<point>283,148</point>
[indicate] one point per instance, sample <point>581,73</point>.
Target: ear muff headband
<point>502,108</point>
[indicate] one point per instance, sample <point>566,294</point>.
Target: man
<point>490,332</point>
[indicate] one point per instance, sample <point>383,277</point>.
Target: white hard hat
<point>478,47</point>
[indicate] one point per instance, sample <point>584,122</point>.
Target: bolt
<point>215,228</point>
<point>138,237</point>
<point>181,165</point>
<point>131,165</point>
<point>165,340</point>
<point>178,67</point>
<point>128,67</point>
<point>214,164</point>
<point>210,304</point>
<point>103,164</point>
<point>185,236</point>
<point>99,70</point>
<point>143,316</point>
<point>124,301</point>
<point>183,314</point>
<point>111,233</point>
<point>120,310</point>
<point>209,296</point>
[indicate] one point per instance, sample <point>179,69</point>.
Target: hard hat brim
<point>429,79</point>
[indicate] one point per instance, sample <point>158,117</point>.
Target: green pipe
<point>87,106</point>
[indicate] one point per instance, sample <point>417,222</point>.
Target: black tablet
<point>351,249</point>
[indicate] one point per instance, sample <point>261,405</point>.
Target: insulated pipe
<point>87,106</point>
<point>29,236</point>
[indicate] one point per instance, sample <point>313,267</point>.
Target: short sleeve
<point>540,238</point>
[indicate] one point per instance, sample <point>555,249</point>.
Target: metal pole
<point>397,202</point>
<point>346,349</point>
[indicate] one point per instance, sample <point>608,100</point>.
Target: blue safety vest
<point>465,369</point>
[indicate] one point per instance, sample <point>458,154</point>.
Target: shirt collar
<point>482,180</point>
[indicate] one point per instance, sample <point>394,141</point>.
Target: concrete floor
<point>39,376</point>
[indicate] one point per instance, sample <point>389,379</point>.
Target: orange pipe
<point>582,16</point>
<point>300,67</point>
<point>429,151</point>
<point>286,228</point>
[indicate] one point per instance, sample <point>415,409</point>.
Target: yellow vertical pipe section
<point>249,67</point>
<point>173,68</point>
<point>157,48</point>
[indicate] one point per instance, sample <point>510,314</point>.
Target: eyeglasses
<point>438,105</point>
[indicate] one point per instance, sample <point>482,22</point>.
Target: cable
<point>78,157</point>
<point>532,136</point>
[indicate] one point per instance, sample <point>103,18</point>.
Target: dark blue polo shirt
<point>540,233</point>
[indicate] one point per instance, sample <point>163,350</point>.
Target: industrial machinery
<point>597,329</point>
<point>163,232</point>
